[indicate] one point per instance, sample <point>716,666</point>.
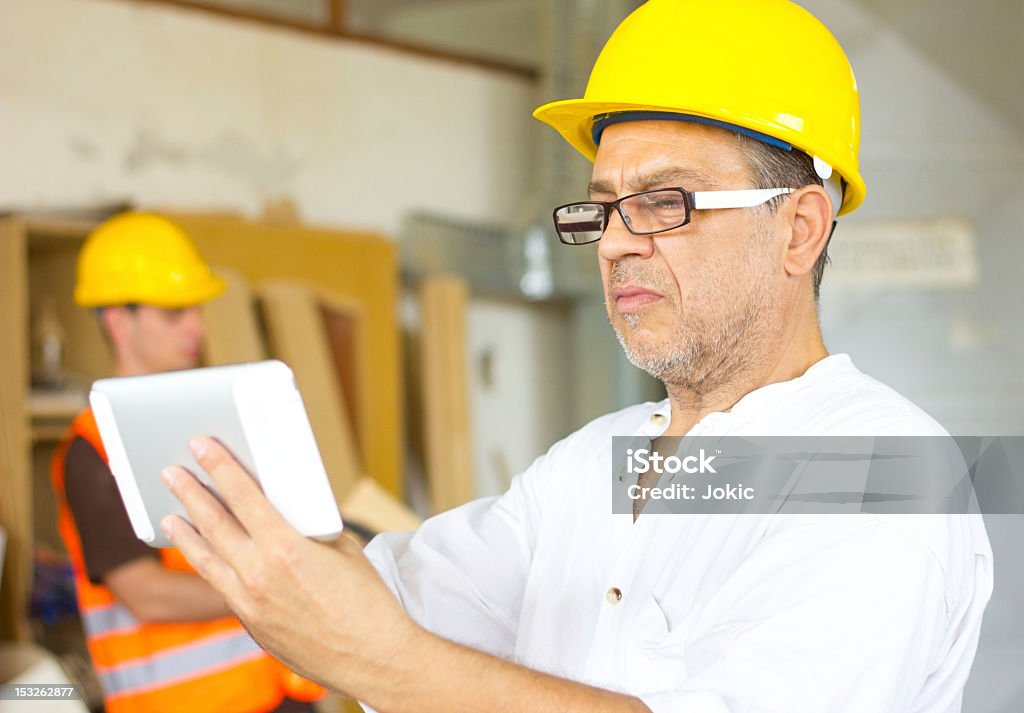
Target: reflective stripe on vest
<point>172,666</point>
<point>107,620</point>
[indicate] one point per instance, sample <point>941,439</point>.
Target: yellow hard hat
<point>767,67</point>
<point>143,258</point>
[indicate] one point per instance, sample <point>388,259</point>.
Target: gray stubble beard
<point>702,357</point>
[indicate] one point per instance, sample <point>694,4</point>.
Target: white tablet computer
<point>253,409</point>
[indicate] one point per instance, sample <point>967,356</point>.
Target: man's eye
<point>667,204</point>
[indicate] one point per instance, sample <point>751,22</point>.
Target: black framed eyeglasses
<point>650,212</point>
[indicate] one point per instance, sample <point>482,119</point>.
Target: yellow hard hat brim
<point>200,294</point>
<point>195,295</point>
<point>573,119</point>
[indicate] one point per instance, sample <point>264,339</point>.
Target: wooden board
<point>296,335</point>
<point>359,266</point>
<point>344,322</point>
<point>15,473</point>
<point>232,328</point>
<point>447,447</point>
<point>371,506</point>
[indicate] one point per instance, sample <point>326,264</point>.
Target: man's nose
<point>617,242</point>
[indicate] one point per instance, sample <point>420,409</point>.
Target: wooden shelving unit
<point>37,260</point>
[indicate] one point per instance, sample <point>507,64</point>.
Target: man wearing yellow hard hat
<point>724,136</point>
<point>161,638</point>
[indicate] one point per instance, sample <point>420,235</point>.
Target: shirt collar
<point>660,416</point>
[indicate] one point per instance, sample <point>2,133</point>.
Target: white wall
<point>931,148</point>
<point>104,100</point>
<point>107,100</point>
<point>520,376</point>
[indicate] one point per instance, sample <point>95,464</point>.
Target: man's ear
<point>811,219</point>
<point>114,321</point>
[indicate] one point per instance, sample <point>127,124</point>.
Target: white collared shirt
<point>711,613</point>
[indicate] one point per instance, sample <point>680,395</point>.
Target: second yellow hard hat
<point>143,258</point>
<point>768,67</point>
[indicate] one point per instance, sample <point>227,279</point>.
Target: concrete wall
<point>519,376</point>
<point>106,100</point>
<point>932,148</point>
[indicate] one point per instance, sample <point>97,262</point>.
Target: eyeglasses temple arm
<point>705,200</point>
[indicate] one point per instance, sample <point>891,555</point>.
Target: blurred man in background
<point>161,639</point>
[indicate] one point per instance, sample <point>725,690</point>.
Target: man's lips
<point>632,298</point>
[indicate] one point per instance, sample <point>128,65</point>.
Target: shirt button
<point>613,595</point>
<point>658,419</point>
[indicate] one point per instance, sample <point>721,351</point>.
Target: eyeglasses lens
<point>580,223</point>
<point>655,211</point>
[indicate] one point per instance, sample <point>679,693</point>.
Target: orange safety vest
<point>203,666</point>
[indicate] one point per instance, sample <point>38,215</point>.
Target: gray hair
<point>773,167</point>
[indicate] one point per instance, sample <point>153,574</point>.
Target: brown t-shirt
<point>108,540</point>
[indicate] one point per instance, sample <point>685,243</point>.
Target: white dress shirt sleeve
<point>462,574</point>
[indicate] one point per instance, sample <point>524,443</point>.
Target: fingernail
<point>198,446</point>
<point>168,475</point>
<point>165,525</point>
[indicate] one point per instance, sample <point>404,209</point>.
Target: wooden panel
<point>359,266</point>
<point>371,506</point>
<point>344,322</point>
<point>296,335</point>
<point>52,273</point>
<point>15,475</point>
<point>232,327</point>
<point>338,16</point>
<point>447,446</point>
<point>45,229</point>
